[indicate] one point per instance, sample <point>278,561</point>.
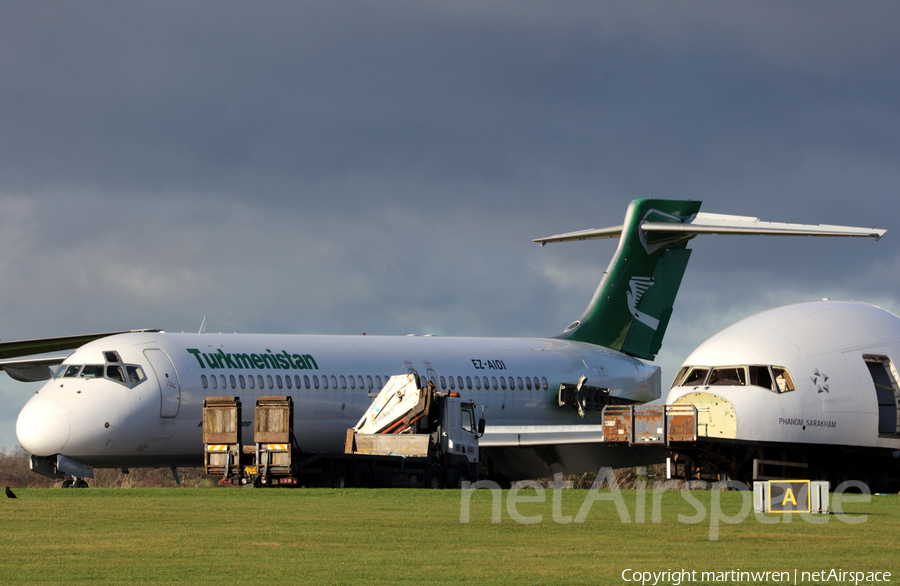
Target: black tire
<point>434,478</point>
<point>461,475</point>
<point>339,476</point>
<point>363,477</point>
<point>67,483</point>
<point>80,483</point>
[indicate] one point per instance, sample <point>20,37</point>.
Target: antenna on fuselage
<point>202,327</point>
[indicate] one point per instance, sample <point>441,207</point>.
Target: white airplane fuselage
<point>105,421</point>
<point>813,383</point>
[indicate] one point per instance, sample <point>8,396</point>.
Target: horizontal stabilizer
<point>704,223</point>
<point>631,307</point>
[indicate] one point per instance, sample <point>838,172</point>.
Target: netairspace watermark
<point>715,514</point>
<point>678,577</point>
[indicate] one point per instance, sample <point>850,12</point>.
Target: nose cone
<point>43,427</point>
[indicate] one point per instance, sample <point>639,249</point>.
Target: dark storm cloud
<point>383,167</point>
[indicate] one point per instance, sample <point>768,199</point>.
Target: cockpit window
<point>696,377</point>
<point>112,356</point>
<point>783,379</point>
<point>773,378</point>
<point>135,374</point>
<point>676,382</point>
<point>72,370</point>
<point>126,374</point>
<point>92,371</point>
<point>115,372</point>
<point>733,376</point>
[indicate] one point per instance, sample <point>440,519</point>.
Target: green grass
<point>299,536</point>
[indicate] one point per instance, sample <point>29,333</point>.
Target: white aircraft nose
<point>42,427</point>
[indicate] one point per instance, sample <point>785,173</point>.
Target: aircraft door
<point>169,388</point>
<point>887,391</point>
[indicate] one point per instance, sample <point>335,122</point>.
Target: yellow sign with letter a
<point>788,496</point>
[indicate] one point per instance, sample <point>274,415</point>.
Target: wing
<point>36,369</point>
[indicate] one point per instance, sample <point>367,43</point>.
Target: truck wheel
<point>338,476</point>
<point>461,475</point>
<point>434,478</point>
<point>363,477</point>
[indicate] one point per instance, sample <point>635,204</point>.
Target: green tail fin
<point>630,310</point>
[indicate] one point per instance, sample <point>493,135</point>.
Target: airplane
<point>808,390</point>
<point>134,399</point>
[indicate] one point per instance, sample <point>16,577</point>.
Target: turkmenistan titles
<point>264,361</point>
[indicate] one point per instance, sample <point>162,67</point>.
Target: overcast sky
<point>381,167</point>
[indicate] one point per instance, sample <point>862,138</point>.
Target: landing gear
<point>71,482</point>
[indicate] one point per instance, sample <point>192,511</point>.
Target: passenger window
<point>696,377</point>
<point>325,382</point>
<point>528,382</point>
<point>494,382</point>
<point>359,381</point>
<point>783,379</point>
<point>452,383</point>
<point>252,381</point>
<point>443,383</point>
<point>469,382</point>
<point>242,381</point>
<point>287,381</point>
<point>477,383</point>
<point>203,381</point>
<point>222,380</point>
<point>343,382</point>
<point>733,376</point>
<point>306,382</point>
<point>503,382</point>
<point>232,380</point>
<point>378,382</point>
<point>369,382</point>
<point>519,383</point>
<point>269,380</point>
<point>278,382</point>
<point>544,384</point>
<point>214,382</point>
<point>259,381</point>
<point>352,382</point>
<point>315,381</point>
<point>334,382</point>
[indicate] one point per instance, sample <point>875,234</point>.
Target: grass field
<point>318,536</point>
